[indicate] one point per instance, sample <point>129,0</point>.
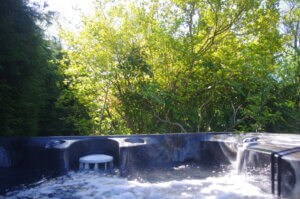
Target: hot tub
<point>196,165</point>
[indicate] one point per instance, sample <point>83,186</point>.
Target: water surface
<point>182,182</point>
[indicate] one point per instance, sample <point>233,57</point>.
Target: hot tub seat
<point>96,159</point>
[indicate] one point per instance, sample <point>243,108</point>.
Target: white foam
<point>91,184</point>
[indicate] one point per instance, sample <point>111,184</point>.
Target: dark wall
<point>25,160</point>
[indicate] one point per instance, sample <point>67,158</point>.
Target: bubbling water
<point>181,182</point>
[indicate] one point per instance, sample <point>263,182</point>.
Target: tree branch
<point>169,122</point>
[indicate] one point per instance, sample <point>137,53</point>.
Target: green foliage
<point>21,55</point>
<point>152,66</point>
<point>178,66</point>
<point>28,80</point>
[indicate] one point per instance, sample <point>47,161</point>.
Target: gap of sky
<point>68,13</point>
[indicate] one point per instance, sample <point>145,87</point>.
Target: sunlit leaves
<point>179,65</point>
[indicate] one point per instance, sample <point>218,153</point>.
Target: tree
<point>23,55</point>
<point>180,66</point>
<point>28,80</point>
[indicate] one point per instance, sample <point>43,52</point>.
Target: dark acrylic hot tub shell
<point>26,160</point>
